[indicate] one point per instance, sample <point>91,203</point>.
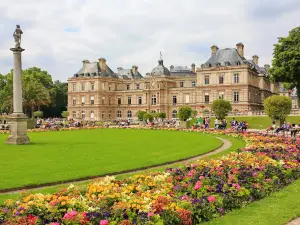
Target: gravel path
<point>294,222</point>
<point>226,144</point>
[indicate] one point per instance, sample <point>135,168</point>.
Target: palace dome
<point>160,70</point>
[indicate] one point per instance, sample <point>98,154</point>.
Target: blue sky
<point>59,34</point>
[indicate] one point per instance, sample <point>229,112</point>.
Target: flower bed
<point>189,195</point>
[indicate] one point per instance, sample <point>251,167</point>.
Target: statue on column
<point>17,36</point>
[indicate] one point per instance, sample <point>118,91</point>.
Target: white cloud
<point>133,32</point>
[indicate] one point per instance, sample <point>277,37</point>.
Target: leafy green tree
<point>162,115</point>
<point>65,114</point>
<point>278,107</point>
<point>286,61</point>
<point>38,114</point>
<point>184,113</point>
<point>140,114</point>
<point>194,113</point>
<point>148,116</point>
<point>221,108</point>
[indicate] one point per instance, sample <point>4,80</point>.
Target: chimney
<point>214,49</point>
<point>193,68</point>
<point>171,67</point>
<point>240,49</point>
<point>134,70</point>
<point>84,62</point>
<point>255,59</point>
<point>102,63</point>
<point>267,66</point>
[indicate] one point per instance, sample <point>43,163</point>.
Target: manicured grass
<point>58,156</point>
<point>277,209</point>
<point>236,143</point>
<point>255,122</point>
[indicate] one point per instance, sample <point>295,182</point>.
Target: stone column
<point>17,120</point>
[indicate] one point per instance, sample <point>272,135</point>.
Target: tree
<point>65,114</point>
<point>278,107</point>
<point>162,116</point>
<point>221,108</point>
<point>194,113</point>
<point>184,113</point>
<point>38,114</point>
<point>286,60</point>
<point>140,114</point>
<point>148,116</point>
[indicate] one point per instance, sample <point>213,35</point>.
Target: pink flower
<point>185,197</point>
<point>268,180</point>
<point>150,214</point>
<point>201,177</point>
<point>255,174</point>
<point>211,199</point>
<point>198,185</point>
<point>103,222</point>
<point>54,223</point>
<point>70,215</point>
<point>237,186</point>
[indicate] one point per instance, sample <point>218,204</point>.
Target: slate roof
<point>261,70</point>
<point>160,70</point>
<point>128,74</point>
<point>224,57</point>
<point>93,70</point>
<point>181,71</point>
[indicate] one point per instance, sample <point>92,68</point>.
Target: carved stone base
<point>18,129</point>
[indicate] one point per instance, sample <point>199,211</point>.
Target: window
<point>181,83</point>
<point>193,83</point>
<point>92,86</point>
<point>129,100</point>
<point>92,100</point>
<point>129,114</point>
<point>92,115</point>
<point>74,87</point>
<point>109,87</point>
<point>187,98</point>
<point>139,100</point>
<point>206,79</point>
<point>221,95</point>
<point>82,86</point>
<point>137,86</point>
<point>236,96</point>
<point>119,101</point>
<point>103,100</point>
<point>74,114</point>
<point>119,114</point>
<point>109,114</point>
<point>174,114</point>
<point>153,100</point>
<point>103,115</point>
<point>249,95</point>
<point>206,97</point>
<point>74,100</point>
<point>236,78</point>
<point>116,87</point>
<point>109,100</point>
<point>82,100</point>
<point>83,115</point>
<point>127,87</point>
<point>153,111</point>
<point>221,79</point>
<point>174,100</point>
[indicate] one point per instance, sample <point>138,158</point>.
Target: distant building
<point>97,93</point>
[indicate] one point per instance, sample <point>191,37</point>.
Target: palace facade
<point>98,93</point>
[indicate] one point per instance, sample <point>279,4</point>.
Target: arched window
<point>74,114</point>
<point>174,114</point>
<point>221,79</point>
<point>92,116</point>
<point>119,114</point>
<point>83,115</point>
<point>129,114</point>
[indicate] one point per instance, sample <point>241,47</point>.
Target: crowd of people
<point>284,128</point>
<point>4,125</point>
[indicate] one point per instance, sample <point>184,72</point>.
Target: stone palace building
<point>98,93</point>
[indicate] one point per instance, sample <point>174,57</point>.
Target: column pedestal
<point>18,129</point>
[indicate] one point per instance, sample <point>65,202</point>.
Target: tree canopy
<point>184,113</point>
<point>39,92</point>
<point>278,107</point>
<point>221,108</point>
<point>286,61</point>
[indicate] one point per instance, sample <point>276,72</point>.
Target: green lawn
<point>236,143</point>
<point>255,122</point>
<point>276,209</point>
<point>58,156</point>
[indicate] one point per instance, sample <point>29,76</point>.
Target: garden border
<point>224,146</point>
